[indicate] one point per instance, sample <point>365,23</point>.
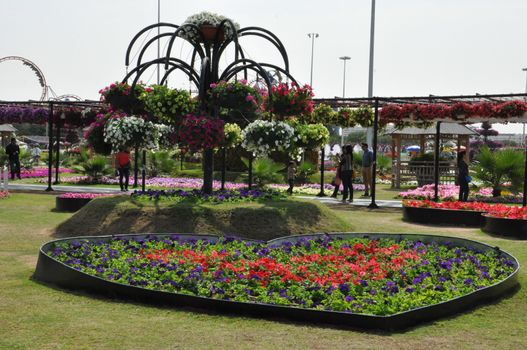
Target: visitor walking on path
<point>367,162</point>
<point>463,177</point>
<point>291,173</point>
<point>13,152</point>
<point>122,163</point>
<point>338,179</point>
<point>346,173</point>
<point>35,154</point>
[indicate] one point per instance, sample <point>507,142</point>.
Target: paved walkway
<point>58,188</point>
<point>361,202</point>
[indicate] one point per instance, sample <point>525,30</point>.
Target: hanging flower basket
<point>212,33</point>
<point>120,97</point>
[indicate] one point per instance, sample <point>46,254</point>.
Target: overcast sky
<point>422,47</point>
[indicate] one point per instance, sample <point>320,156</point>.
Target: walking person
<point>367,162</point>
<point>291,173</point>
<point>463,178</point>
<point>338,179</point>
<point>13,152</point>
<point>35,154</point>
<point>122,163</point>
<point>346,173</point>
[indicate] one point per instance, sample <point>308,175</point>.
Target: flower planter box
<point>70,204</point>
<point>51,270</point>
<point>505,227</point>
<point>443,216</point>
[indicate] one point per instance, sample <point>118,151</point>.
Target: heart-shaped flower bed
<point>373,278</point>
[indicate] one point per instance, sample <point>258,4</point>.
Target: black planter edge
<point>468,218</point>
<point>505,227</point>
<point>49,270</point>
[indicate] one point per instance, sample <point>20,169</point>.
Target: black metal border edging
<point>505,227</point>
<point>451,217</point>
<point>52,271</point>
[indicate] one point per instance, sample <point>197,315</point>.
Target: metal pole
<point>57,161</point>
<point>250,171</point>
<point>143,172</point>
<point>50,146</point>
<point>523,134</point>
<point>374,205</point>
<point>322,157</point>
<point>223,167</point>
<point>524,201</point>
<point>369,136</point>
<point>436,162</point>
<point>158,33</point>
<point>372,44</point>
<point>312,36</point>
<point>344,58</point>
<point>136,166</point>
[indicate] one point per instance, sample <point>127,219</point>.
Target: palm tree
<point>499,166</point>
<point>95,168</point>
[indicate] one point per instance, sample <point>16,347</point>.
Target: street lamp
<point>523,135</point>
<point>344,58</point>
<point>312,36</point>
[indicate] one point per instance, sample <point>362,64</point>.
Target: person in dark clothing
<point>291,173</point>
<point>13,151</point>
<point>346,173</point>
<point>122,163</point>
<point>338,180</point>
<point>462,177</point>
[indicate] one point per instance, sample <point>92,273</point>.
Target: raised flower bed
<point>382,280</point>
<point>72,201</point>
<point>445,213</point>
<point>506,221</point>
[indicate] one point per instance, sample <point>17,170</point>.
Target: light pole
<point>312,36</point>
<point>369,131</point>
<point>158,33</point>
<point>344,58</point>
<point>523,135</point>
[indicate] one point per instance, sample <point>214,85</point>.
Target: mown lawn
<point>37,316</point>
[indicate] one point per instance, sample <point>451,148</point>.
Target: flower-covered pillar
<point>210,35</point>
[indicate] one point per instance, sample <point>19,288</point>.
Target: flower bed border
<point>52,271</point>
<point>441,216</point>
<point>70,204</point>
<point>505,226</point>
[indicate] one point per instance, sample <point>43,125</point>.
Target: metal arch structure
<point>66,97</point>
<point>35,69</point>
<point>209,52</point>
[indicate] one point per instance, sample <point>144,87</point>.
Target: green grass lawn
<point>38,316</point>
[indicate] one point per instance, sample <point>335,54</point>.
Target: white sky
<point>422,47</point>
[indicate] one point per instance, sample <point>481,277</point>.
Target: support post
<point>50,146</point>
<point>143,172</point>
<point>374,205</point>
<point>208,169</point>
<point>223,167</point>
<point>322,157</point>
<point>524,201</point>
<point>136,166</point>
<point>250,184</point>
<point>57,161</point>
<point>436,162</point>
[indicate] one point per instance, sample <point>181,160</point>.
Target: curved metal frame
<point>35,69</point>
<point>50,270</point>
<point>210,53</point>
